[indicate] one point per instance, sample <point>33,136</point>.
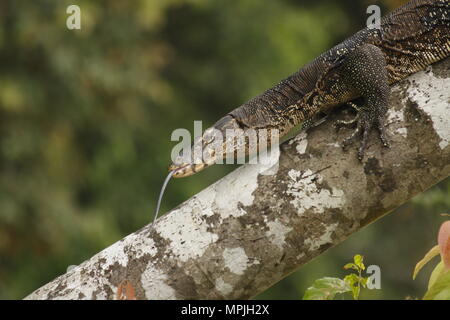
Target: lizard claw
<point>363,127</point>
<point>382,132</point>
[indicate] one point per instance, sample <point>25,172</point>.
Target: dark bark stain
<point>183,284</point>
<point>345,174</point>
<point>372,167</point>
<point>388,183</point>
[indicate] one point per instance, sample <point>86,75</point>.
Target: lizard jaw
<point>186,170</point>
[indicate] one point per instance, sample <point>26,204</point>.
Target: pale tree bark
<point>258,224</point>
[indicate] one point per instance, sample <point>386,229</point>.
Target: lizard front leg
<point>364,72</point>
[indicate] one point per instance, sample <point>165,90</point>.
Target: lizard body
<point>364,65</point>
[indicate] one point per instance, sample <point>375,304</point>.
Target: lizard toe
<point>365,137</point>
<point>348,141</point>
<point>345,124</point>
<point>382,134</point>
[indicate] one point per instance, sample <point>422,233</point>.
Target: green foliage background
<point>86,117</point>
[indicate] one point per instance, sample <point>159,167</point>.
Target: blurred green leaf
<point>428,256</point>
<point>437,271</point>
<point>358,260</point>
<point>351,265</point>
<point>326,289</point>
<point>440,286</point>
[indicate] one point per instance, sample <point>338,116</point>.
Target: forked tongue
<point>161,194</point>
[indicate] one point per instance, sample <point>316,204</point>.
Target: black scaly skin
<point>410,38</point>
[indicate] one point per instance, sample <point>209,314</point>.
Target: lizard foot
<point>364,124</point>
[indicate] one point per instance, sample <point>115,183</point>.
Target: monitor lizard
<point>409,39</point>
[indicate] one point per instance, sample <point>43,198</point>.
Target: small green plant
<point>438,285</point>
<point>326,288</point>
<point>439,282</point>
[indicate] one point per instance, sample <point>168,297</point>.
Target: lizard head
<point>214,144</point>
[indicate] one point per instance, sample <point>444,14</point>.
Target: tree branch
<point>258,224</point>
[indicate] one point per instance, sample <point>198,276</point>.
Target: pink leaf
<point>444,243</point>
